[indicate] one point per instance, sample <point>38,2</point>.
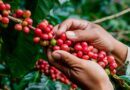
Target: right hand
<point>81,30</point>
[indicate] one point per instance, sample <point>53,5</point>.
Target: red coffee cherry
<point>65,47</point>
<point>26,14</point>
<point>18,27</point>
<point>29,21</point>
<point>5,20</point>
<point>19,13</point>
<point>59,42</point>
<point>38,32</point>
<point>36,39</point>
<point>7,6</point>
<point>2,6</point>
<point>26,30</point>
<point>77,47</point>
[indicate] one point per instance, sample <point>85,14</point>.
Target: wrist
<point>120,52</point>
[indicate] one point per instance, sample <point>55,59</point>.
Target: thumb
<point>79,35</point>
<point>65,58</point>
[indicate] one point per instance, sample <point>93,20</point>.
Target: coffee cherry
<point>36,39</point>
<point>2,6</point>
<point>47,30</point>
<point>29,21</point>
<point>7,6</point>
<point>65,47</point>
<point>101,56</point>
<point>42,25</point>
<point>102,64</point>
<point>5,20</point>
<point>50,36</point>
<point>59,42</point>
<point>45,21</point>
<point>44,36</point>
<point>26,30</point>
<point>18,27</point>
<point>19,13</point>
<point>90,54</point>
<point>68,42</point>
<point>0,17</point>
<point>90,48</point>
<point>105,61</point>
<point>24,23</point>
<point>113,71</point>
<point>84,44</point>
<point>50,26</point>
<point>38,32</point>
<point>5,13</point>
<point>56,48</point>
<point>79,54</point>
<point>78,47</point>
<point>44,43</point>
<point>26,14</point>
<point>85,50</point>
<point>95,56</point>
<point>53,42</point>
<point>86,57</point>
<point>95,50</point>
<point>110,59</point>
<point>113,66</point>
<point>63,36</point>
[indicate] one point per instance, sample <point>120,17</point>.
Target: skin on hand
<point>87,74</point>
<point>81,30</point>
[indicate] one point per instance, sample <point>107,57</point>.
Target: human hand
<point>81,30</point>
<point>87,74</point>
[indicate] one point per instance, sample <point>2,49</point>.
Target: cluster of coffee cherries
<point>43,33</point>
<point>24,16</point>
<point>54,73</point>
<point>4,13</point>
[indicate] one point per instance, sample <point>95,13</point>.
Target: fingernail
<point>70,34</point>
<point>56,55</point>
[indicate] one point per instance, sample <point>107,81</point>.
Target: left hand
<point>87,74</point>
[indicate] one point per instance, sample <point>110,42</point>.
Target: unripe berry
<point>5,20</point>
<point>38,32</point>
<point>78,47</point>
<point>26,30</point>
<point>5,13</point>
<point>56,48</point>
<point>7,6</point>
<point>0,17</point>
<point>59,42</point>
<point>18,27</point>
<point>29,21</point>
<point>65,47</point>
<point>36,39</point>
<point>19,13</point>
<point>26,14</point>
<point>44,36</point>
<point>53,42</point>
<point>24,23</point>
<point>44,43</point>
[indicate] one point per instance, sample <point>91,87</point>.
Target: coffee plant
<point>27,30</point>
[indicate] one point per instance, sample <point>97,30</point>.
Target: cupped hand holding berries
<point>81,30</point>
<point>87,74</point>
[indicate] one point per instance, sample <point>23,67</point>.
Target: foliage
<point>18,54</point>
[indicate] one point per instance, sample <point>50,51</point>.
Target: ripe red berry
<point>95,50</point>
<point>18,27</point>
<point>65,47</point>
<point>113,71</point>
<point>101,56</point>
<point>2,6</point>
<point>95,56</point>
<point>103,52</point>
<point>63,36</point>
<point>68,42</point>
<point>85,50</point>
<point>90,48</point>
<point>90,54</point>
<point>0,17</point>
<point>50,36</point>
<point>110,59</point>
<point>75,54</point>
<point>36,39</point>
<point>45,21</point>
<point>56,48</point>
<point>29,21</point>
<point>50,26</point>
<point>26,14</point>
<point>86,57</point>
<point>113,66</point>
<point>105,61</point>
<point>19,13</point>
<point>47,30</point>
<point>79,54</point>
<point>59,42</point>
<point>24,23</point>
<point>77,47</point>
<point>5,20</point>
<point>38,32</point>
<point>7,6</point>
<point>44,36</point>
<point>42,25</point>
<point>26,30</point>
<point>102,64</point>
<point>84,44</point>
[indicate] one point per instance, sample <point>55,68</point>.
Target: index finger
<point>70,24</point>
